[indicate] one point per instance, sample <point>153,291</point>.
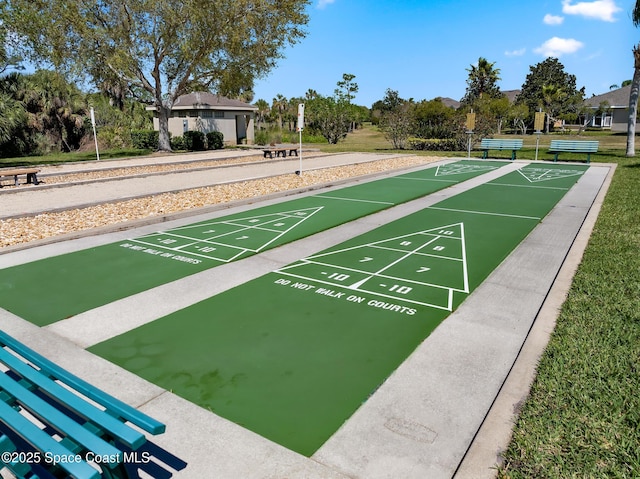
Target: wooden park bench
<point>573,146</point>
<point>32,175</point>
<point>280,151</point>
<point>82,424</point>
<point>495,144</point>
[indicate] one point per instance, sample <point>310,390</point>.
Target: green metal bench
<point>494,144</point>
<point>573,146</point>
<point>82,424</point>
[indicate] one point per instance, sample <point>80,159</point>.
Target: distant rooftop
<point>618,98</point>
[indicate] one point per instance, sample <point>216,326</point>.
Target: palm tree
<point>635,88</point>
<point>483,79</point>
<point>280,105</point>
<point>56,109</point>
<point>263,111</point>
<point>12,113</point>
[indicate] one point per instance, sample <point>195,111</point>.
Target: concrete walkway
<point>428,420</point>
<point>32,200</point>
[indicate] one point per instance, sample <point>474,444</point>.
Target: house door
<point>241,129</point>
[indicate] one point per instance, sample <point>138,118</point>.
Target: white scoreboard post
<point>538,124</point>
<point>299,128</point>
<point>95,137</point>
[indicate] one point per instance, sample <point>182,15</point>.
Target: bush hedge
<point>177,143</point>
<point>194,140</point>
<point>436,144</point>
<point>215,140</point>
<point>145,139</point>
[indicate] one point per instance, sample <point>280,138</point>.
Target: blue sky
<point>423,48</point>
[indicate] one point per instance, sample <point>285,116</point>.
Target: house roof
<point>450,102</point>
<point>202,100</point>
<point>615,98</point>
<point>512,94</point>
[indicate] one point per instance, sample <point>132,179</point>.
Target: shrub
<point>177,143</point>
<point>194,140</point>
<point>145,139</point>
<point>436,144</point>
<point>215,140</point>
<point>262,137</point>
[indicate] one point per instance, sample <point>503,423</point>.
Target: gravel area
<point>140,170</point>
<point>15,231</point>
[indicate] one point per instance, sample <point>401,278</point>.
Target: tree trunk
<point>633,104</point>
<point>164,143</point>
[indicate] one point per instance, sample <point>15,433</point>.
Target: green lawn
<point>582,418</point>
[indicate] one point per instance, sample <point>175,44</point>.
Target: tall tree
<point>635,88</point>
<point>547,77</point>
<point>12,113</point>
<point>396,118</point>
<point>56,110</point>
<point>164,47</point>
<point>279,106</point>
<point>263,111</point>
<point>482,81</point>
<point>347,88</point>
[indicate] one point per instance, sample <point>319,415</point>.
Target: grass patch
<point>582,418</point>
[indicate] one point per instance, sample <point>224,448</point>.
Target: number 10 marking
<point>396,288</point>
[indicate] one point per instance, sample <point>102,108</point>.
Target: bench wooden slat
<point>573,146</point>
<point>41,441</point>
<point>487,144</point>
<point>32,174</point>
<point>114,405</point>
<point>18,171</point>
<point>61,422</point>
<point>107,422</point>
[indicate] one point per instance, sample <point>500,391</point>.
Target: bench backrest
<point>18,171</point>
<point>494,143</point>
<point>51,371</point>
<point>580,146</point>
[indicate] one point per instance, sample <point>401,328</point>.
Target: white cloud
<point>556,47</point>
<point>553,19</point>
<point>516,53</point>
<point>599,10</point>
<point>324,3</point>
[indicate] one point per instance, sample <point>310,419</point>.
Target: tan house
<point>610,110</point>
<point>205,112</point>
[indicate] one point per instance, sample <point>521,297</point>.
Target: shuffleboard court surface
<point>59,287</point>
<point>291,355</point>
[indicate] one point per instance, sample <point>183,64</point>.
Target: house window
<point>206,114</point>
<point>218,114</point>
<point>181,114</point>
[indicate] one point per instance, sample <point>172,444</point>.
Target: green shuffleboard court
<point>291,355</point>
<point>73,283</point>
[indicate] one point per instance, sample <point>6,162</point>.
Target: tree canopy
<point>165,48</point>
<point>482,81</point>
<point>549,87</point>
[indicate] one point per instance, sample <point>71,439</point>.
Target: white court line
<point>485,213</point>
<point>393,263</point>
<point>425,179</point>
<point>429,255</point>
<point>191,253</point>
<point>529,186</point>
<point>436,306</point>
<point>353,199</point>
